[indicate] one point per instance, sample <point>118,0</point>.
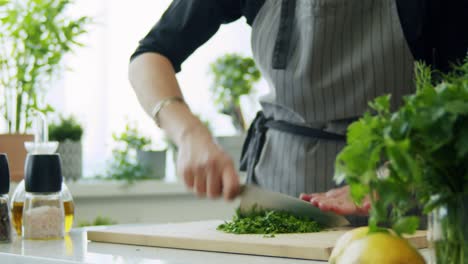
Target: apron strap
<point>283,38</point>
<point>255,139</point>
<point>253,146</point>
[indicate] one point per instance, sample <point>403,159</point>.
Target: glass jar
<point>448,232</point>
<point>17,204</point>
<point>5,223</point>
<point>43,216</point>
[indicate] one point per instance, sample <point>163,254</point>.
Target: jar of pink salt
<point>43,212</point>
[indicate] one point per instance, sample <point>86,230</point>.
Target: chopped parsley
<point>268,223</point>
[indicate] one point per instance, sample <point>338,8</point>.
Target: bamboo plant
<point>34,37</point>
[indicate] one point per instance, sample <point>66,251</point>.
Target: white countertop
<point>76,248</point>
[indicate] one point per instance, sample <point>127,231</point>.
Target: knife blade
<point>267,200</point>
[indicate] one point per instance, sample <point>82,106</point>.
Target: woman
<point>324,61</point>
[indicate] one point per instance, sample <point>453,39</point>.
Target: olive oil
<point>17,213</point>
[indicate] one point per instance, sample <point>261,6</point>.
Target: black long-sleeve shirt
<point>436,30</point>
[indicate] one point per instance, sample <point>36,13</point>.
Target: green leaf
<point>406,225</point>
<point>457,107</point>
<point>358,192</point>
<point>381,104</point>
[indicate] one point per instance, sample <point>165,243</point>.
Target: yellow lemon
<point>382,248</point>
<point>346,239</point>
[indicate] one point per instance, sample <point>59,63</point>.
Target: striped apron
<point>324,60</point>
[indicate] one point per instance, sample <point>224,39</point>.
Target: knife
<point>252,196</point>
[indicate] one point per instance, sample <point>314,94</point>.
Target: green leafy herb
<point>268,223</point>
<point>424,146</point>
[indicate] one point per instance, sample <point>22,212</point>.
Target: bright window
<point>97,90</point>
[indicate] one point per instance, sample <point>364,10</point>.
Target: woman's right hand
<point>202,163</point>
<point>205,167</point>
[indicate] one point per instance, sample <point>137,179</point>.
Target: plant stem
<point>452,248</point>
<point>239,118</point>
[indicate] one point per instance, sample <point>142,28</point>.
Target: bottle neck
<point>48,195</point>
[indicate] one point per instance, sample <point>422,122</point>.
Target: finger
<point>342,206</point>
<point>315,201</point>
<point>337,192</point>
<point>305,197</point>
<point>308,196</point>
<point>366,206</point>
<point>200,181</point>
<point>213,180</point>
<point>324,205</point>
<point>314,195</point>
<point>345,209</point>
<point>187,176</point>
<point>317,197</point>
<point>230,181</point>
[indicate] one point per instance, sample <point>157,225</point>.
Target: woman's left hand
<point>337,200</point>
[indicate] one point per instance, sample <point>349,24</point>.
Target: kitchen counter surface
<point>76,248</point>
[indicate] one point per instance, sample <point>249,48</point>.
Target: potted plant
<point>234,77</point>
<point>34,37</point>
<point>415,157</point>
<point>68,132</point>
<point>133,159</point>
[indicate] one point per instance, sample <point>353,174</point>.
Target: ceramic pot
<point>13,146</point>
<point>154,162</point>
<point>72,159</point>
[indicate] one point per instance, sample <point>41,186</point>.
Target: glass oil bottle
<point>41,145</point>
<point>43,212</point>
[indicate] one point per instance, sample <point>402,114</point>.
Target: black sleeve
<point>185,26</point>
<point>449,32</point>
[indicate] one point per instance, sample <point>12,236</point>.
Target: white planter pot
<point>154,161</point>
<point>71,154</point>
<point>233,146</point>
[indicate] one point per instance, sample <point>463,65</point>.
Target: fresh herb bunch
<point>268,222</point>
<point>66,128</point>
<point>424,145</point>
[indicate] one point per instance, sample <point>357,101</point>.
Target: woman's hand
<point>201,161</point>
<point>205,166</point>
<point>337,200</point>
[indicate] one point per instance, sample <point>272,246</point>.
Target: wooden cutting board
<point>204,236</point>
